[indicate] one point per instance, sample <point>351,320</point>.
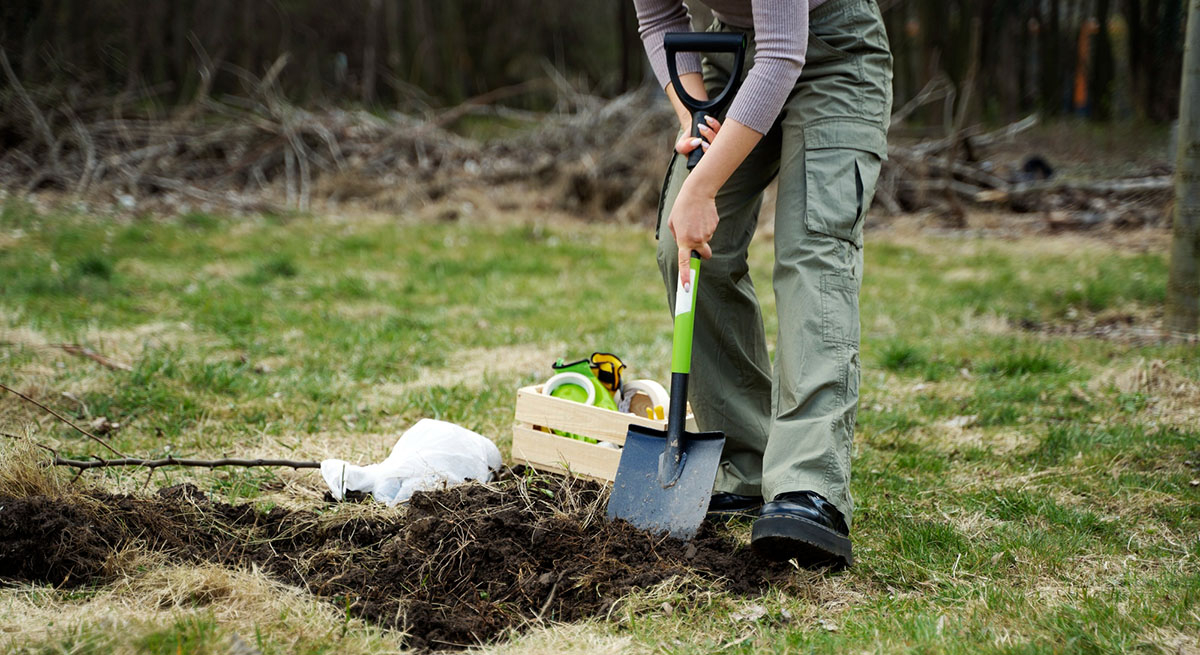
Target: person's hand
<point>688,143</point>
<point>693,221</point>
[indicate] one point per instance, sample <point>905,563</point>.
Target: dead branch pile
<point>591,157</point>
<point>929,176</point>
<point>258,152</point>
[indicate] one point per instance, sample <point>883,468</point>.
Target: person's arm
<point>655,19</point>
<point>781,41</point>
<point>693,83</point>
<point>694,215</point>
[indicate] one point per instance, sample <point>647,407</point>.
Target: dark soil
<point>457,568</point>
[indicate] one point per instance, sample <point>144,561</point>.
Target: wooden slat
<point>550,452</point>
<point>569,416</point>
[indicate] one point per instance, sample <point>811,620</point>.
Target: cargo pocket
<point>839,310</point>
<point>820,51</point>
<point>841,166</point>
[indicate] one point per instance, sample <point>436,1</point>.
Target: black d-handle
<point>675,42</point>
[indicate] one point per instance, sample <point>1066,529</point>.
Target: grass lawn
<point>1021,487</point>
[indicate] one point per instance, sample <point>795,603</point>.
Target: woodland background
<point>1032,55</point>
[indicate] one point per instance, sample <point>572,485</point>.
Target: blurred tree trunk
<point>1053,66</point>
<point>1168,62</point>
<point>624,44</point>
<point>1154,49</point>
<point>369,51</point>
<point>1101,75</point>
<point>1137,52</point>
<point>935,30</point>
<point>1183,283</point>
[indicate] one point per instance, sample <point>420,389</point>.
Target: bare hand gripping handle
<point>675,42</point>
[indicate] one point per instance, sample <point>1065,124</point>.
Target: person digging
<point>811,110</point>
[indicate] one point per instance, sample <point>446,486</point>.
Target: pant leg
<point>833,139</point>
<point>730,383</point>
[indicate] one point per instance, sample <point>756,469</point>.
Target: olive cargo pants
<point>790,427</point>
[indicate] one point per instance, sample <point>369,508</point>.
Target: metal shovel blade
<point>638,495</point>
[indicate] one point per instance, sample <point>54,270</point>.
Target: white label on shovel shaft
<point>683,297</point>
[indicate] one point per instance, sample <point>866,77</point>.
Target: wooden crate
<point>549,452</point>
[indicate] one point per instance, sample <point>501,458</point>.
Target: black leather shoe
<point>725,506</point>
<point>804,526</point>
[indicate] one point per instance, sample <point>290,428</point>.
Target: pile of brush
<point>257,152</point>
<point>591,157</point>
<point>946,176</point>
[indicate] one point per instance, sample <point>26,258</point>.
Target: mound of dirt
<point>45,540</point>
<point>459,567</point>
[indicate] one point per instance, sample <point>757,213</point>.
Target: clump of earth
<point>457,568</point>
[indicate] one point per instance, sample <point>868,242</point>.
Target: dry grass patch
<point>125,345</point>
<point>10,239</point>
<point>243,602</point>
<point>1172,398</point>
<point>959,432</point>
<point>590,638</point>
<point>472,367</point>
<point>161,273</point>
<point>973,525</point>
<point>1175,642</point>
<point>1025,232</point>
<point>361,310</point>
<point>985,323</point>
<point>224,270</point>
<point>25,471</point>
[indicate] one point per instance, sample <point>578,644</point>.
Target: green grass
<point>187,635</point>
<point>1010,497</point>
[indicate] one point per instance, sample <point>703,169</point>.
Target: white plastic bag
<point>430,455</point>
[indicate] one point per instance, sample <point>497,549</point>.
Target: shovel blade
<point>638,495</point>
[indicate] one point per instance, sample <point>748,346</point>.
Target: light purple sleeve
<point>656,18</point>
<point>781,42</point>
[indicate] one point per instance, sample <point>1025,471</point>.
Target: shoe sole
<point>780,538</point>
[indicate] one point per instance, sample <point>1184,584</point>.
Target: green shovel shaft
<point>671,464</point>
<point>685,313</point>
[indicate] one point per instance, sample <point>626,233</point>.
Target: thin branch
<point>64,419</point>
<point>84,351</point>
<point>39,120</point>
<point>44,447</point>
<point>180,461</point>
<point>450,115</point>
<point>937,88</point>
<point>960,118</point>
<point>99,462</point>
<point>549,599</point>
<point>88,145</point>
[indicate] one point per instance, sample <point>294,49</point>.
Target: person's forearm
<point>693,83</point>
<point>728,150</point>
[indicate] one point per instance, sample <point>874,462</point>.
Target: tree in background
<point>1155,48</point>
<point>1183,285</point>
<point>414,54</point>
<point>397,53</point>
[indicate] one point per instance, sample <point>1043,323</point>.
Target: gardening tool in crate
<point>665,478</point>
